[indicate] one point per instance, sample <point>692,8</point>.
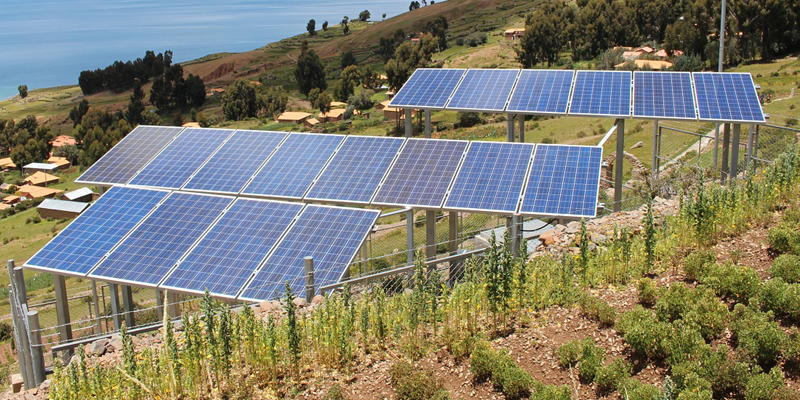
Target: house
<point>33,167</point>
<point>311,122</point>
<point>37,192</point>
<point>292,117</point>
<point>40,178</point>
<point>4,207</point>
<point>11,199</point>
<point>60,162</point>
<point>7,163</point>
<point>191,125</point>
<point>663,53</point>
<point>631,55</point>
<point>394,113</point>
<point>513,33</point>
<point>61,209</point>
<point>645,49</point>
<point>383,105</point>
<point>332,115</point>
<point>83,194</point>
<point>655,65</point>
<point>63,140</point>
<point>338,104</point>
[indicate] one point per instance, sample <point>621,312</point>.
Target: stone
<point>115,344</point>
<point>548,238</point>
<point>317,299</point>
<point>265,306</point>
<point>637,145</point>
<point>45,385</point>
<point>277,305</point>
<point>598,238</point>
<point>300,302</point>
<point>16,383</point>
<point>98,347</point>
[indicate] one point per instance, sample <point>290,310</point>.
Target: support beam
<point>309,266</point>
<point>37,349</point>
<point>408,122</point>
<point>510,128</point>
<point>62,312</point>
<point>127,303</point>
<point>726,146</point>
<point>428,124</point>
<point>160,303</point>
<point>430,234</point>
<point>716,145</point>
<point>618,163</point>
<point>654,158</point>
<point>521,135</point>
<point>750,137</point>
<point>20,333</point>
<point>410,236</point>
<point>516,230</point>
<point>737,130</point>
<point>173,308</point>
<point>96,305</point>
<point>452,219</point>
<point>115,309</point>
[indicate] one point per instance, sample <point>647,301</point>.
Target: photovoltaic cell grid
<point>152,249</point>
<point>602,93</point>
<point>181,158</point>
<point>663,95</point>
<point>727,97</point>
<point>132,153</point>
<point>428,88</point>
<point>356,170</point>
<point>331,235</point>
<point>234,247</point>
<point>484,90</point>
<point>541,92</point>
<point>95,232</point>
<point>422,173</point>
<point>293,168</point>
<point>564,180</point>
<point>229,169</point>
<point>491,178</point>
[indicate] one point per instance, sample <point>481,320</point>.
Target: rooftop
<point>78,193</point>
<point>63,205</point>
<point>39,178</point>
<point>42,166</point>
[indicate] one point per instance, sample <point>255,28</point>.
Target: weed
<point>413,383</point>
<point>646,292</point>
<point>598,310</point>
<point>697,264</point>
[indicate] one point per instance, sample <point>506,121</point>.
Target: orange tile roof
<point>7,163</point>
<point>35,192</point>
<point>191,125</point>
<point>40,178</point>
<point>293,116</point>
<point>63,140</point>
<point>61,162</point>
<point>4,206</point>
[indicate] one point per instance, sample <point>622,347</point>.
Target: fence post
<point>62,312</point>
<point>37,353</point>
<point>654,159</point>
<point>127,304</point>
<point>726,146</point>
<point>749,149</point>
<point>19,326</point>
<point>309,263</point>
<point>25,345</point>
<point>618,165</point>
<point>430,234</point>
<point>115,312</point>
<point>96,305</point>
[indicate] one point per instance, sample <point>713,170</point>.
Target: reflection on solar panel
<point>332,235</point>
<point>541,92</point>
<point>428,88</point>
<point>663,95</point>
<point>491,178</point>
<point>727,97</point>
<point>95,232</point>
<point>356,170</point>
<point>602,93</point>
<point>178,161</point>
<point>292,169</point>
<point>237,160</point>
<point>422,173</point>
<point>564,180</point>
<point>154,247</point>
<point>132,153</point>
<point>234,247</point>
<point>484,90</point>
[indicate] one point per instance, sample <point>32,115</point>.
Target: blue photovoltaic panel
<point>484,90</point>
<point>663,95</point>
<point>727,97</point>
<point>152,249</point>
<point>237,160</point>
<point>331,235</point>
<point>602,93</point>
<point>491,178</point>
<point>132,153</point>
<point>422,173</point>
<point>230,253</point>
<point>292,169</point>
<point>356,170</point>
<point>178,161</point>
<point>428,88</point>
<point>95,232</point>
<point>541,92</point>
<point>564,181</point>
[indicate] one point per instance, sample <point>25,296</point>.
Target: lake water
<point>46,43</point>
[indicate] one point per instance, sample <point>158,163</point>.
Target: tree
<point>23,91</point>
<point>347,59</point>
<point>364,16</point>
<point>325,26</point>
<point>361,101</point>
<point>323,102</point>
<point>275,101</point>
<point>599,25</point>
<point>346,27</point>
<point>408,57</point>
<point>685,37</point>
<point>369,78</point>
<point>351,75</point>
<point>240,101</point>
<point>546,34</point>
<point>383,16</point>
<point>32,143</point>
<point>342,90</point>
<point>133,114</point>
<point>311,27</point>
<point>689,63</point>
<point>388,45</point>
<point>309,72</point>
<point>413,6</point>
<point>77,112</point>
<point>195,91</point>
<point>438,28</point>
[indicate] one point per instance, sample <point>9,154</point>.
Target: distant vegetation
<point>120,76</point>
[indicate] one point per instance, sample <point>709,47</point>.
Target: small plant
<point>649,236</point>
<point>591,359</point>
<point>412,383</point>
<point>737,283</point>
<point>569,354</point>
<point>610,376</point>
<point>787,267</point>
<point>783,239</point>
<point>335,393</point>
<point>764,385</point>
<point>643,332</point>
<point>697,264</point>
<point>598,310</point>
<point>292,329</point>
<point>759,338</point>
<point>646,292</point>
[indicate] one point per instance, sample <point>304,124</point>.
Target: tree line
<point>120,76</point>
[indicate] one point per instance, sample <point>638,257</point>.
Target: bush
<point>570,353</point>
<point>646,292</point>
<point>591,359</point>
<point>550,392</point>
<point>734,282</point>
<point>643,332</point>
<point>468,119</point>
<point>481,362</point>
<point>335,393</point>
<point>712,370</point>
<point>413,383</point>
<point>759,338</point>
<point>698,307</point>
<point>696,264</point>
<point>513,381</point>
<point>763,386</point>
<point>791,350</point>
<point>784,239</point>
<point>781,298</point>
<point>682,342</point>
<point>598,310</point>
<point>787,267</point>
<point>611,376</point>
<point>631,389</point>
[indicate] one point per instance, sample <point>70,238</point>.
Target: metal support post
<point>127,303</point>
<point>618,165</point>
<point>410,236</point>
<point>20,333</point>
<point>309,264</point>
<point>750,136</point>
<point>96,305</point>
<point>62,312</point>
<point>654,159</point>
<point>737,128</point>
<point>408,123</point>
<point>726,146</point>
<point>430,234</point>
<point>510,128</point>
<point>516,228</point>
<point>428,124</point>
<point>173,309</point>
<point>160,303</point>
<point>452,220</point>
<point>37,353</point>
<point>716,145</point>
<point>521,128</point>
<point>22,300</point>
<point>115,310</point>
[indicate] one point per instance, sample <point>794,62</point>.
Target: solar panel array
<point>428,88</point>
<point>659,95</point>
<point>727,97</point>
<point>602,93</point>
<point>542,92</point>
<point>484,89</point>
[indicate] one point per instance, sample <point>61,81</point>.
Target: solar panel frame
<point>77,240</point>
<point>537,151</point>
<point>313,192</point>
<point>510,108</point>
<point>464,86</point>
<point>578,92</point>
<point>319,272</point>
<point>436,104</point>
<point>144,159</point>
<point>704,105</point>
<point>637,101</point>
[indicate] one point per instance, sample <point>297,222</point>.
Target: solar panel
<point>181,158</point>
<point>132,153</point>
<point>95,232</point>
<point>422,173</point>
<point>564,181</point>
<point>663,95</point>
<point>234,247</point>
<point>293,168</point>
<point>354,173</point>
<point>331,235</point>
<point>491,177</point>
<point>541,92</point>
<point>727,97</point>
<point>602,93</point>
<point>484,90</point>
<point>152,249</point>
<point>428,88</point>
<point>229,169</point>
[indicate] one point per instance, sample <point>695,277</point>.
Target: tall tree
<point>408,57</point>
<point>240,101</point>
<point>438,28</point>
<point>133,114</point>
<point>364,16</point>
<point>347,59</point>
<point>325,26</point>
<point>23,91</point>
<point>309,72</point>
<point>311,27</point>
<point>546,33</point>
<point>77,112</point>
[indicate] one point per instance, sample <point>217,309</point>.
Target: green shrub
<point>696,264</point>
<point>763,386</point>
<point>698,307</point>
<point>335,393</point>
<point>591,359</point>
<point>481,362</point>
<point>550,392</point>
<point>643,332</point>
<point>712,370</point>
<point>513,381</point>
<point>631,389</point>
<point>700,394</point>
<point>791,349</point>
<point>787,267</point>
<point>734,282</point>
<point>611,376</point>
<point>674,302</point>
<point>682,342</point>
<point>646,292</point>
<point>759,338</point>
<point>413,383</point>
<point>570,353</point>
<point>598,310</point>
<point>781,298</point>
<point>784,239</point>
